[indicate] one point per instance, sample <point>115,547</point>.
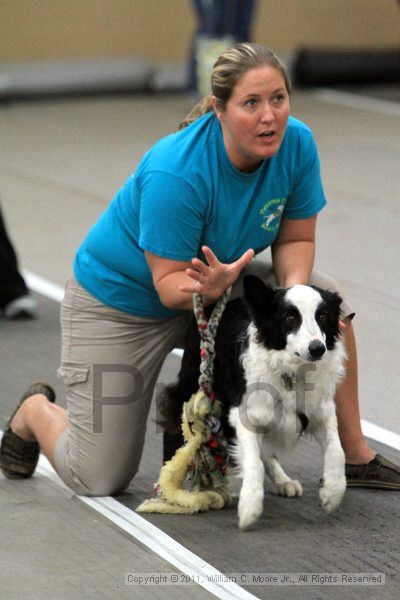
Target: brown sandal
<point>18,457</point>
<point>379,473</point>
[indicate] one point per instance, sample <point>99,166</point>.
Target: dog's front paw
<point>250,507</point>
<point>290,488</point>
<point>331,494</point>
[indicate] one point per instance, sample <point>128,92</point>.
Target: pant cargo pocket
<point>70,374</point>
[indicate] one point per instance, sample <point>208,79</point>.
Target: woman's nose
<point>267,114</point>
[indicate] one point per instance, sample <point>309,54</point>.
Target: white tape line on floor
<point>201,572</point>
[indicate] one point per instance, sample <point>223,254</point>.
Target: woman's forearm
<point>170,294</point>
<point>169,277</point>
<point>293,262</point>
<point>210,278</point>
<point>172,297</point>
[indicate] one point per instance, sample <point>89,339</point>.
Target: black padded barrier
<point>317,67</point>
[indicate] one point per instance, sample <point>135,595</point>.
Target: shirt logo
<point>271,213</point>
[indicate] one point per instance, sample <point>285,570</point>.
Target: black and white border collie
<point>278,360</point>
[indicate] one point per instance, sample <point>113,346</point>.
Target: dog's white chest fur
<point>280,386</point>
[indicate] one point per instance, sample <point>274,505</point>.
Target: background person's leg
<point>220,25</point>
<point>12,284</point>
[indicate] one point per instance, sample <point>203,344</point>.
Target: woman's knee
<point>324,281</point>
<point>98,484</point>
<point>107,488</point>
<point>105,472</point>
<point>260,268</point>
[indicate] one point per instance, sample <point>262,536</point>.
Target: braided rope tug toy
<point>194,479</point>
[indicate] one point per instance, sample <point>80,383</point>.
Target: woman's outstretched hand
<point>212,279</point>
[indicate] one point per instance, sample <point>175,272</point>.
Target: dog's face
<point>302,320</point>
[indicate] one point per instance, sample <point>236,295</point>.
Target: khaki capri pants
<point>110,361</point>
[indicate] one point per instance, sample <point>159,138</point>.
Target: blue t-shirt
<point>186,193</point>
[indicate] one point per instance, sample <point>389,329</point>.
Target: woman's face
<point>255,117</point>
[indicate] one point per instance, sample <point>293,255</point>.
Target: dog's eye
<point>290,319</point>
<point>321,318</point>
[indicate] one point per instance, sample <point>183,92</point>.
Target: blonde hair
<point>228,69</point>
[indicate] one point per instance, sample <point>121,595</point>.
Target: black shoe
<point>379,473</point>
<point>18,457</point>
<point>23,307</point>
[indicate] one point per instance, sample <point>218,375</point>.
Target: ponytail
<point>200,109</point>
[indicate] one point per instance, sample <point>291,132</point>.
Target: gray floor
<point>60,163</point>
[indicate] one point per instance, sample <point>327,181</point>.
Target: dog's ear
<point>333,301</point>
<point>332,298</point>
<point>258,295</point>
